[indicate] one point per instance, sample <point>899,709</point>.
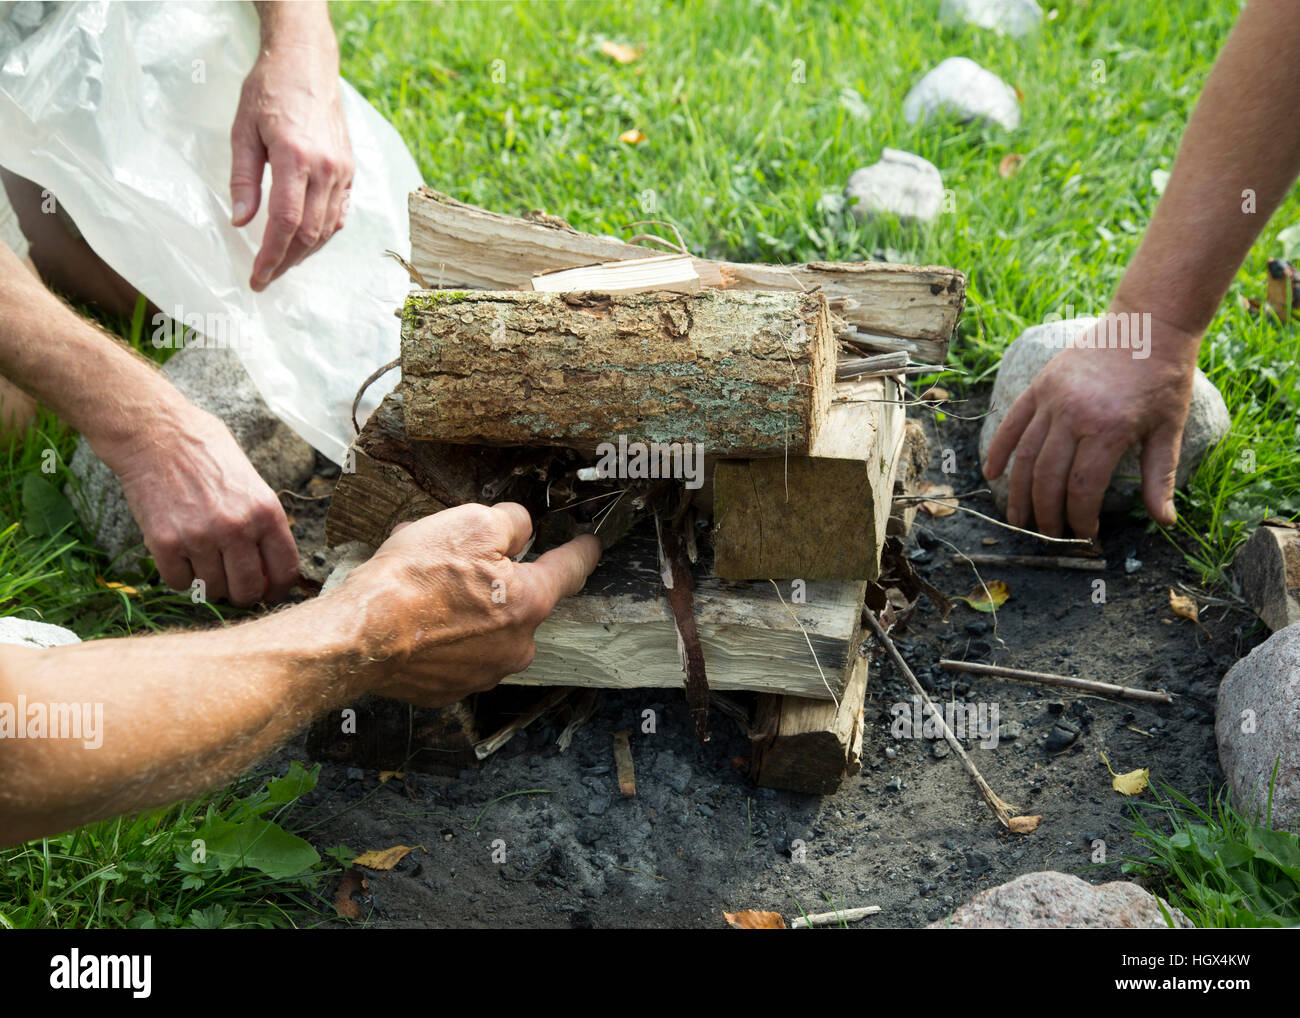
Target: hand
<point>291,115</point>
<point>1069,429</point>
<point>458,613</point>
<point>204,511</point>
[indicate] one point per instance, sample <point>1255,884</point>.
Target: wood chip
<point>623,761</point>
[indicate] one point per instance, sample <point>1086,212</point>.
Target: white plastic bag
<point>123,111</point>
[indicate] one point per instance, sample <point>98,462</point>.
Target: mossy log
<point>740,373</point>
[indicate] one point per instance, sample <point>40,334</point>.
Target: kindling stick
<point>1083,565</point>
<point>1001,809</point>
<point>1052,679</point>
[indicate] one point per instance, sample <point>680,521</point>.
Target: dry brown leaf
<point>987,597</point>
<point>631,137</point>
<point>988,542</point>
<point>945,502</point>
<point>352,882</point>
<point>1025,825</point>
<point>619,52</point>
<point>384,858</point>
<point>1010,164</point>
<point>934,393</point>
<point>752,920</point>
<point>385,776</point>
<point>1132,783</point>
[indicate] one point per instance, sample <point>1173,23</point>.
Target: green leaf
<point>298,782</point>
<point>259,845</point>
<point>211,918</point>
<point>45,511</point>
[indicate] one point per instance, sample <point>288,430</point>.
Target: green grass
<point>1220,867</point>
<point>752,111</point>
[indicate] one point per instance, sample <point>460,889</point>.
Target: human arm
<point>441,611</point>
<point>291,115</point>
<point>201,506</point>
<point>1087,406</point>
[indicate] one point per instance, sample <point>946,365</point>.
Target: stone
<point>1061,901</point>
<point>27,633</point>
<point>1005,17</point>
<point>1207,419</point>
<point>1257,718</point>
<point>900,184</point>
<point>962,88</point>
<point>213,379</point>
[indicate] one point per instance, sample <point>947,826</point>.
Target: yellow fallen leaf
<point>987,598</point>
<point>352,882</point>
<point>1131,783</point>
<point>945,502</point>
<point>1025,825</point>
<point>935,393</point>
<point>631,137</point>
<point>384,776</point>
<point>385,858</point>
<point>1181,604</point>
<point>620,53</point>
<point>120,587</point>
<point>752,920</point>
<point>1010,164</point>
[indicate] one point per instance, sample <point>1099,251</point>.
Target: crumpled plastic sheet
<point>123,112</point>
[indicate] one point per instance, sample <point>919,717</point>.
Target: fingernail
<point>240,209</point>
<point>1171,514</point>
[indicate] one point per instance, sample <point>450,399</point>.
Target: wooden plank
<point>459,245</point>
<point>913,458</point>
<point>747,374</point>
<point>822,516</point>
<point>632,275</point>
<point>811,745</point>
<point>618,632</point>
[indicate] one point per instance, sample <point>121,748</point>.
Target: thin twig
<point>1001,809</point>
<point>1053,679</point>
<point>847,915</point>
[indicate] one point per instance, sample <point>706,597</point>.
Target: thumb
<point>248,156</point>
<point>1159,467</point>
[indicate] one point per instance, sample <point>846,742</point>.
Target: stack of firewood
<point>739,427</point>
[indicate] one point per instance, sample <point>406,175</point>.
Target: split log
<point>821,516</point>
<point>914,457</point>
<point>618,632</point>
<point>742,374</point>
<point>1268,571</point>
<point>810,745</point>
<point>881,306</point>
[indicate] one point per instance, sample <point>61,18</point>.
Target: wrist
<point>1170,335</point>
<point>296,27</point>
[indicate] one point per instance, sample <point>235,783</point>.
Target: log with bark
<point>1268,571</point>
<point>877,306</point>
<point>740,374</point>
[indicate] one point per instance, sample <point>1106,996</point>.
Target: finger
<point>174,569</point>
<point>315,227</point>
<point>279,555</point>
<point>1094,463</point>
<point>516,527</point>
<point>333,217</point>
<point>1051,476</point>
<point>1008,434</point>
<point>245,580</point>
<point>248,157</point>
<point>208,567</point>
<point>1159,471</point>
<point>563,571</point>
<point>284,215</point>
<point>1020,488</point>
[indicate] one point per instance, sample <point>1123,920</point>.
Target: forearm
<point>178,713</point>
<point>95,383</point>
<point>1243,140</point>
<point>297,24</point>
